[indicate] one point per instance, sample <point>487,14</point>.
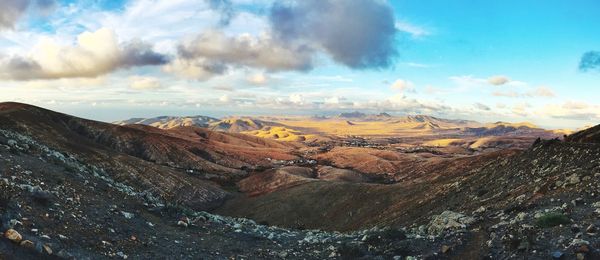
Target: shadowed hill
<point>590,135</point>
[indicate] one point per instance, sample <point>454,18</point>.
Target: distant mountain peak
<point>355,114</point>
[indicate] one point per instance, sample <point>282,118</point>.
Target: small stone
<point>47,249</point>
<point>579,242</point>
<point>27,244</point>
<point>573,179</point>
<point>13,235</point>
<point>558,255</point>
<point>182,224</point>
<point>127,215</point>
<point>122,255</point>
<point>14,223</point>
<point>591,229</point>
<point>445,249</point>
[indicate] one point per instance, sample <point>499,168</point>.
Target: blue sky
<point>480,60</point>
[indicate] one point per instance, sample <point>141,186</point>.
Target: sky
<point>535,61</point>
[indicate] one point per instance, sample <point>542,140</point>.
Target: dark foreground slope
<point>590,135</point>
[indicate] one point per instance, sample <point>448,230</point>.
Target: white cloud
<point>498,80</point>
<point>297,98</point>
<point>403,85</point>
<point>96,53</point>
<point>481,106</point>
<point>414,30</point>
<point>225,99</point>
<point>572,110</point>
<point>258,79</point>
<point>542,92</point>
<point>144,83</point>
<point>513,94</point>
<point>213,53</point>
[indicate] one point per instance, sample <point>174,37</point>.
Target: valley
<point>348,187</point>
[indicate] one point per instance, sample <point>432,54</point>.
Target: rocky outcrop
<point>448,220</point>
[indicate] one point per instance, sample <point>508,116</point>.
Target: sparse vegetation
<point>552,219</point>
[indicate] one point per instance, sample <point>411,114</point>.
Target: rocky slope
<point>590,135</point>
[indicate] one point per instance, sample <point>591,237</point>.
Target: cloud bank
<point>359,34</point>
<point>96,53</point>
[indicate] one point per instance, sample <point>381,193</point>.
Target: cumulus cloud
<point>572,110</point>
<point>212,53</point>
<point>144,83</point>
<point>12,10</point>
<point>506,94</point>
<point>96,53</point>
<point>403,85</point>
<point>540,92</point>
<point>575,105</point>
<point>498,80</point>
<point>357,33</point>
<point>590,61</point>
<point>258,79</point>
<point>481,107</point>
<point>225,99</point>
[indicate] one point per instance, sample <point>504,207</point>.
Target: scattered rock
<point>13,235</point>
<point>47,249</point>
<point>127,215</point>
<point>591,229</point>
<point>445,249</point>
<point>122,255</point>
<point>27,244</point>
<point>448,220</point>
<point>573,179</point>
<point>182,223</point>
